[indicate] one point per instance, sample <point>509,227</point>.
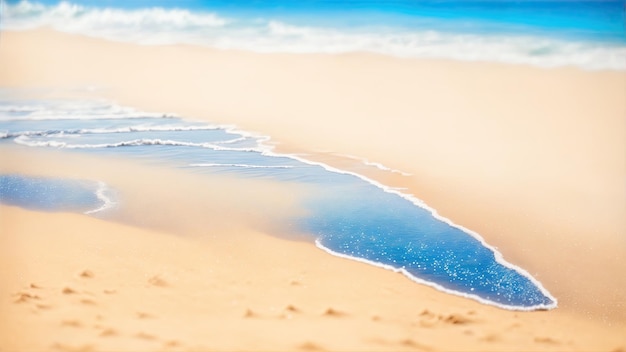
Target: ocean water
<point>586,34</point>
<point>54,194</point>
<point>348,215</point>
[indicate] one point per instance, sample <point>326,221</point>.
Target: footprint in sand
<point>493,337</point>
<point>293,309</point>
<point>27,297</point>
<point>546,340</point>
<point>414,344</point>
<point>426,313</point>
<point>69,348</point>
<point>109,332</point>
<point>289,312</point>
<point>142,315</point>
<point>456,319</point>
<point>86,274</point>
<point>249,314</point>
<point>430,319</point>
<point>69,291</point>
<point>145,336</point>
<point>72,323</point>
<point>172,343</point>
<point>310,346</point>
<point>331,312</point>
<point>88,302</point>
<point>24,297</point>
<point>157,281</point>
<point>43,306</point>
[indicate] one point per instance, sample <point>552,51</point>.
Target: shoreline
<point>421,204</point>
<point>480,171</point>
<point>108,203</point>
<point>127,278</point>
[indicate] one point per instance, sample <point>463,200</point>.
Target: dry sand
<point>532,159</point>
<point>74,283</point>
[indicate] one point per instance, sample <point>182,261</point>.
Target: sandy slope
<point>531,159</point>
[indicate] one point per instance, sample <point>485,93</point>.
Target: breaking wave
<point>180,26</point>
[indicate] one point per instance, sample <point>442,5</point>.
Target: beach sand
<point>532,159</point>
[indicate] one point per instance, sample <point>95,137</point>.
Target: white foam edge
<point>146,128</point>
<point>25,140</point>
<point>129,129</point>
<point>107,203</point>
<point>246,166</point>
<point>371,163</point>
<point>438,287</point>
<point>418,202</point>
<point>231,141</point>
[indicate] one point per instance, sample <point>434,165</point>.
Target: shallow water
<point>350,215</point>
<point>54,194</point>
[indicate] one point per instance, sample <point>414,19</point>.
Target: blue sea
<point>348,214</point>
<point>552,33</point>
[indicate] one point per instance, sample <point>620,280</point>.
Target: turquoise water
<point>348,215</point>
<point>585,34</point>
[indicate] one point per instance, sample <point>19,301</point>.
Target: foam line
<point>418,202</point>
<point>129,129</point>
<point>374,164</point>
<point>107,202</point>
<point>231,141</point>
<point>25,140</point>
<point>246,166</point>
<point>434,285</point>
<point>140,128</point>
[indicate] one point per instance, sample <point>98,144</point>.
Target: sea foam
<point>267,35</point>
<point>245,166</point>
<point>26,141</point>
<point>102,193</point>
